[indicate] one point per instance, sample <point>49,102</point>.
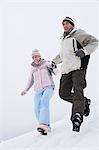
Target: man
<point>76,47</point>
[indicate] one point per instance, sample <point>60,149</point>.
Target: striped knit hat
<point>70,20</point>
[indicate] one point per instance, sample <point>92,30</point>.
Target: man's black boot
<point>76,121</point>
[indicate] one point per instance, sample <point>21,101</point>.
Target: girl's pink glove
<point>23,93</point>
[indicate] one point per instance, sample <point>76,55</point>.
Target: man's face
<point>36,58</point>
<point>67,26</point>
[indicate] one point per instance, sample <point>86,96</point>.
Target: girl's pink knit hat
<point>35,52</point>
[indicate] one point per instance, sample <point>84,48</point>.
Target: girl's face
<point>67,26</point>
<point>36,58</point>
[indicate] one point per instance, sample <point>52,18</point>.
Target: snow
<point>60,138</point>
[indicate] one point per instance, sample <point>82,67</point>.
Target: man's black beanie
<point>70,20</point>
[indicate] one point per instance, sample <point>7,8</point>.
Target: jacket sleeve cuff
<point>26,90</point>
<point>85,52</point>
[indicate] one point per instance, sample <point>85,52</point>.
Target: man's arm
<point>89,42</point>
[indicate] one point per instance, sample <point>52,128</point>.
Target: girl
<point>41,77</point>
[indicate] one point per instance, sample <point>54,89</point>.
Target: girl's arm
<point>29,83</point>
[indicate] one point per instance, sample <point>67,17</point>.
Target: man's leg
<point>87,101</point>
<point>79,83</point>
<point>66,87</point>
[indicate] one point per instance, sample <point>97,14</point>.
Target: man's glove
<point>80,53</point>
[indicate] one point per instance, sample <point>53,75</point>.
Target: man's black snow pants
<point>72,90</point>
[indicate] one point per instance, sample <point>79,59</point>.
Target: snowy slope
<point>61,138</point>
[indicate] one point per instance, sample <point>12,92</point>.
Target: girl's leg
<point>37,100</point>
<point>44,117</point>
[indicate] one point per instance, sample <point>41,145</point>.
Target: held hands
<point>23,93</point>
<point>53,65</point>
<point>80,53</point>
